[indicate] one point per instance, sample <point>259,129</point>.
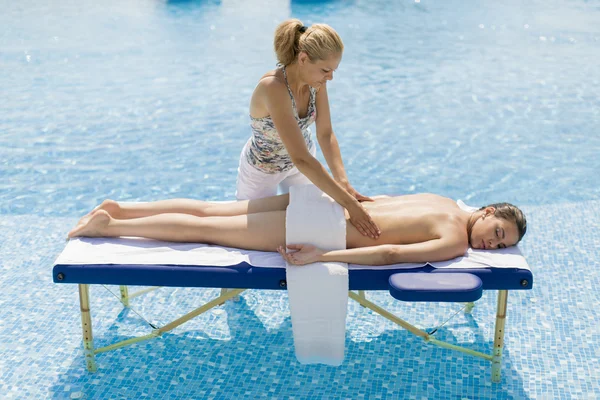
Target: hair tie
<point>303,29</point>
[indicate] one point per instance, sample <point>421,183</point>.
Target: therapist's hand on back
<point>354,193</point>
<point>360,218</point>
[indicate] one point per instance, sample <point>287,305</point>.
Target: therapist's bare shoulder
<point>269,88</point>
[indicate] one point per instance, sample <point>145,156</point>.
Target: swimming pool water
<point>150,100</point>
<point>146,100</point>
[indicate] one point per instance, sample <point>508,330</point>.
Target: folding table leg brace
<point>86,321</point>
<point>90,351</point>
<point>495,358</point>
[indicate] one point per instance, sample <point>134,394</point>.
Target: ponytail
<point>319,41</point>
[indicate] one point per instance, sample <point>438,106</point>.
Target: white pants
<point>254,184</point>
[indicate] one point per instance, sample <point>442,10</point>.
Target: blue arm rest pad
<point>446,287</point>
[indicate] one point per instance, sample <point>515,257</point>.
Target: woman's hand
<point>360,218</point>
<point>353,192</point>
<point>304,254</point>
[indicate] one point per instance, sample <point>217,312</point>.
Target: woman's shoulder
<point>272,78</point>
<point>271,89</point>
<point>271,84</point>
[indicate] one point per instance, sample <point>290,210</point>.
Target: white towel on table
<point>318,292</point>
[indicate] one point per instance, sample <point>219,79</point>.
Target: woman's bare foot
<point>93,226</point>
<point>110,206</point>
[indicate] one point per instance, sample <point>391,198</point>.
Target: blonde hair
<point>319,41</point>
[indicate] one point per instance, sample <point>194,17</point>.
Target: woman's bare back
<point>405,219</point>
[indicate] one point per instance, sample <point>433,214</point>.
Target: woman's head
<point>319,42</point>
<point>496,226</point>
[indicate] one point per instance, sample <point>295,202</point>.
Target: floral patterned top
<point>266,151</point>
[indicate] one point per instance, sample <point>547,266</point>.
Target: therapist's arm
<point>279,106</point>
<point>330,146</point>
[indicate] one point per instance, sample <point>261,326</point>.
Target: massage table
<point>142,262</point>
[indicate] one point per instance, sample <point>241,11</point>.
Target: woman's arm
<point>326,137</point>
<point>429,251</point>
<point>330,146</point>
<point>279,106</point>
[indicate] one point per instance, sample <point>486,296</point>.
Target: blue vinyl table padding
<point>447,287</point>
<point>245,276</point>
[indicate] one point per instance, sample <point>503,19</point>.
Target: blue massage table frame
<point>233,280</point>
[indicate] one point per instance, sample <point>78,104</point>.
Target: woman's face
<point>490,232</point>
<point>317,73</point>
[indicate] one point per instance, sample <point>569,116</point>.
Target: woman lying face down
<point>414,228</point>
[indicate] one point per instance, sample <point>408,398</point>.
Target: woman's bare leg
<point>258,231</point>
<point>192,207</point>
